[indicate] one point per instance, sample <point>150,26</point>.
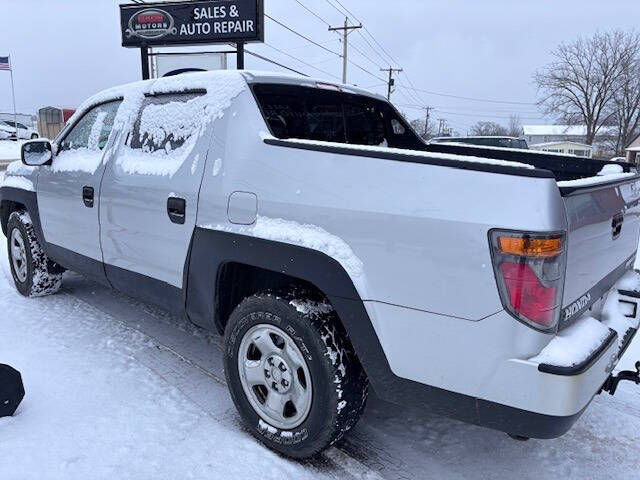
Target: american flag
<point>4,63</point>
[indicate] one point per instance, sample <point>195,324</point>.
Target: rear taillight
<point>530,270</point>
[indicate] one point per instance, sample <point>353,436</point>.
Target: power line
<point>471,111</point>
<point>301,61</point>
<point>302,36</point>
<point>261,57</point>
<point>336,8</point>
<point>349,12</point>
<point>412,96</point>
<point>419,97</point>
<point>312,13</point>
<point>365,56</point>
<point>469,98</point>
<point>487,116</point>
<point>413,87</point>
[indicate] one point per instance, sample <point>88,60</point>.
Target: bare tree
<point>425,131</point>
<point>580,84</point>
<point>483,129</point>
<point>515,126</point>
<point>626,103</point>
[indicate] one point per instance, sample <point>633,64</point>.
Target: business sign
<point>192,23</point>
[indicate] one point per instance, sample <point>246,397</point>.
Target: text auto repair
<point>219,19</point>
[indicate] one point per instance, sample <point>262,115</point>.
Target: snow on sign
<point>191,23</point>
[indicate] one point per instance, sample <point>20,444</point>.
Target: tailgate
<point>604,225</point>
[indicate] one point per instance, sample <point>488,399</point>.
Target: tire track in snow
<point>158,324</point>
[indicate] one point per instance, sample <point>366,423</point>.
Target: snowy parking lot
<point>9,151</point>
<point>118,389</point>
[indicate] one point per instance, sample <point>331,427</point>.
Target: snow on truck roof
<point>204,80</point>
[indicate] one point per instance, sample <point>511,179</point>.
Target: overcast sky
<point>65,50</point>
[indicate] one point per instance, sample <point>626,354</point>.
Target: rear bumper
<point>481,372</point>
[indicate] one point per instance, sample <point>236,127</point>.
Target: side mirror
<point>36,153</point>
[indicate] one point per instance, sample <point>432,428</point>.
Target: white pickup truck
<point>333,249</point>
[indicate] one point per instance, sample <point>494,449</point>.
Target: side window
<point>286,115</point>
<point>309,113</point>
<point>167,122</point>
<point>326,122</point>
<point>398,128</point>
<point>365,125</point>
<point>93,129</point>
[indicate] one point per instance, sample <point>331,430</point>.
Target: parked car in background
<point>6,133</point>
<point>618,159</point>
<point>23,132</point>
<point>504,142</point>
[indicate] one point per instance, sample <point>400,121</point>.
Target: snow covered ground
<point>118,389</point>
<point>10,150</point>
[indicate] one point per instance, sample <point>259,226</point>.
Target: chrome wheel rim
<point>18,255</point>
<point>274,376</point>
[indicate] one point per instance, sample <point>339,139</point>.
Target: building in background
<point>53,119</point>
<point>165,64</point>
<point>577,134</point>
<point>566,147</point>
<point>633,151</point>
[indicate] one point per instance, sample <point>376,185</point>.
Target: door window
<point>93,129</point>
<point>81,149</point>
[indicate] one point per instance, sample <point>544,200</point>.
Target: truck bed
<point>563,167</point>
<point>602,216</point>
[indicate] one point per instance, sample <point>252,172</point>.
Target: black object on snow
<point>11,390</point>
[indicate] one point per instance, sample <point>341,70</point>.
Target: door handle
<point>177,209</point>
<point>616,225</point>
<point>87,196</point>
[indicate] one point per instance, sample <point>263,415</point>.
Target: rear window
<point>308,113</point>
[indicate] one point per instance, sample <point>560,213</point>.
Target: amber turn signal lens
<point>531,247</point>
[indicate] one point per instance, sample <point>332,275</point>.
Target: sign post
<point>191,23</point>
<point>144,60</point>
<point>240,50</point>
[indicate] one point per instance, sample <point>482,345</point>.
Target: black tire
<point>41,276</point>
<point>340,386</point>
<point>34,136</point>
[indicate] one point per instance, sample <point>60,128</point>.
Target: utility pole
<point>346,30</point>
<point>426,122</point>
<point>392,82</point>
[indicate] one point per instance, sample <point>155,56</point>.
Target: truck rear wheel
<point>292,373</point>
<point>33,273</point>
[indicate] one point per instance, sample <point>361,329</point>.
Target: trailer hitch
<point>611,385</point>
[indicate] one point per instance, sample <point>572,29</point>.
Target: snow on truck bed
<point>399,151</point>
<point>608,173</point>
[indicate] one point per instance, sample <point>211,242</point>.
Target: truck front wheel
<point>292,373</point>
<point>33,273</point>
